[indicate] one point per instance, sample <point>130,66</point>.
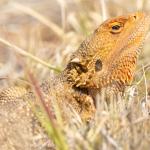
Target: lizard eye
<point>116,27</point>
<point>98,65</point>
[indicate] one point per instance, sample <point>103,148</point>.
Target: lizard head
<point>108,56</point>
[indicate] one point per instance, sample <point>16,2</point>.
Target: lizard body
<point>106,59</point>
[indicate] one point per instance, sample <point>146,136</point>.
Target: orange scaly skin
<point>106,59</point>
<point>114,50</point>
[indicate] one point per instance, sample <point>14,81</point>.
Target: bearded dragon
<point>106,59</point>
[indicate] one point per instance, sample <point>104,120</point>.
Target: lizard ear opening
<point>98,65</point>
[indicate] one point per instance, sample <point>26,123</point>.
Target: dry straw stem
<point>62,4</point>
<point>111,140</point>
<point>45,116</point>
<point>145,82</point>
<point>55,28</point>
<point>28,55</point>
<point>104,9</point>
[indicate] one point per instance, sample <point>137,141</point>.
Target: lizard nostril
<point>134,16</point>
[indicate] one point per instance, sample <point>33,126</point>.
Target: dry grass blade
<point>57,30</point>
<point>140,4</point>
<point>145,82</point>
<point>1,78</point>
<point>28,55</point>
<point>46,118</point>
<point>110,140</point>
<point>40,96</point>
<point>62,4</point>
<point>104,10</point>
